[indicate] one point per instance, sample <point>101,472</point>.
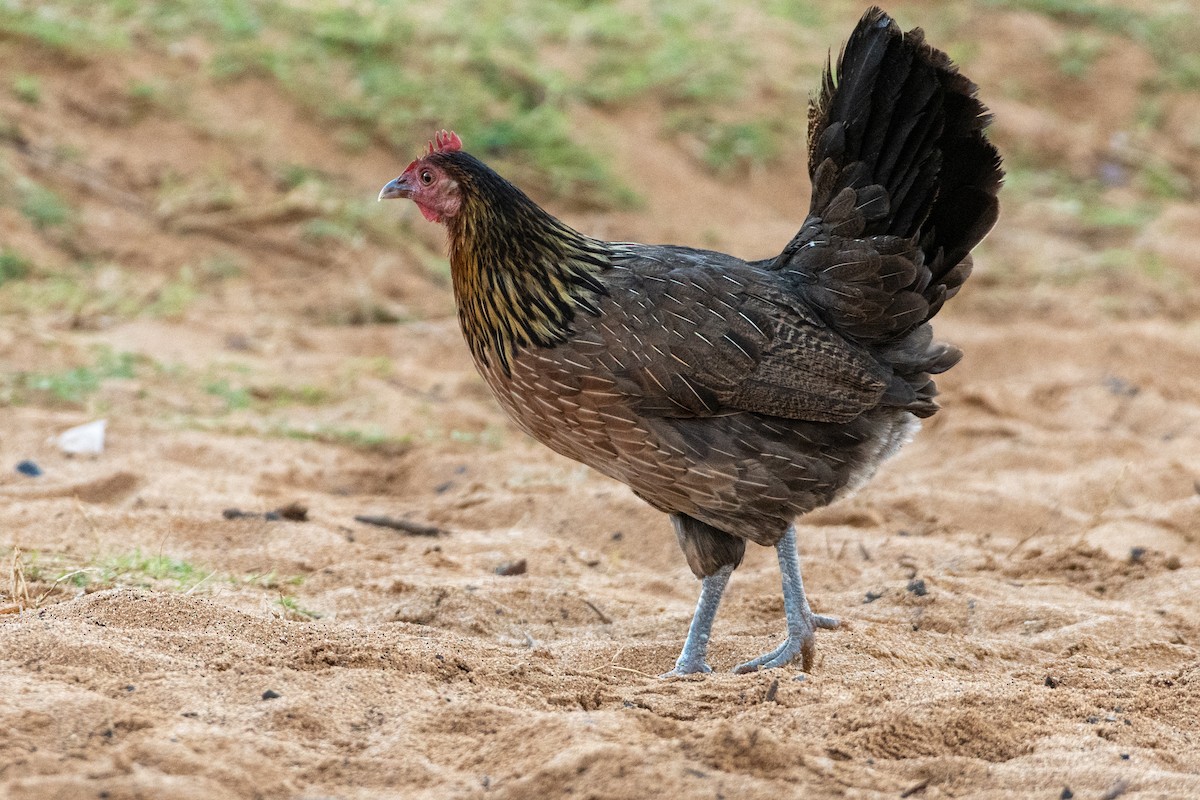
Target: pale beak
<point>398,188</point>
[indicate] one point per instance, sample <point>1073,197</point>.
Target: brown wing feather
<point>692,333</point>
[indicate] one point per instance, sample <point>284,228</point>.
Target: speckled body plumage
<point>614,395</point>
<point>738,395</point>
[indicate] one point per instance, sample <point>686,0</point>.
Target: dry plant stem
<point>18,588</point>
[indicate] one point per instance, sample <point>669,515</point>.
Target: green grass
<point>13,266</point>
<point>89,292</point>
<point>368,438</point>
<point>1087,201</point>
<point>159,571</point>
<point>293,610</point>
<point>732,145</point>
<point>27,89</point>
<point>70,386</point>
<point>491,437</point>
<point>504,73</point>
<point>57,29</point>
<point>139,569</point>
<point>234,386</point>
<point>280,396</point>
<point>1169,32</point>
<point>220,268</point>
<point>234,397</point>
<point>172,300</point>
<point>663,52</point>
<point>1079,52</point>
<point>43,207</point>
<point>133,568</point>
<point>267,580</point>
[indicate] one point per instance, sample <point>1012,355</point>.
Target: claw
<point>684,669</point>
<point>802,642</point>
<point>802,622</point>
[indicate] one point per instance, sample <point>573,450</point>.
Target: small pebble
<point>917,587</point>
<point>270,694</point>
<point>1052,681</point>
<point>403,525</point>
<point>518,567</point>
<point>1121,387</point>
<point>1067,794</point>
<point>29,468</point>
<point>296,512</point>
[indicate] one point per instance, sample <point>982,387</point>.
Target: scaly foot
<point>683,668</point>
<point>691,660</point>
<point>802,623</point>
<point>801,641</point>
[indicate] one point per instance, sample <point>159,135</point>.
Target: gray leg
<point>696,646</point>
<point>801,621</point>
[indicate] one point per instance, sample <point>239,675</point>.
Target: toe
<point>763,661</point>
<point>683,670</point>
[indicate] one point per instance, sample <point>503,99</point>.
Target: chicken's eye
<point>426,177</point>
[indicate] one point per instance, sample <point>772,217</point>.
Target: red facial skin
<point>435,193</point>
<point>427,184</point>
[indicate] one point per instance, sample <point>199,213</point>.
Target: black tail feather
<point>902,173</point>
<point>901,128</point>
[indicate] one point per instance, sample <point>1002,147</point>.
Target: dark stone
<point>518,567</point>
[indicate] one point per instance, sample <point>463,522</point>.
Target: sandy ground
<point>1020,588</point>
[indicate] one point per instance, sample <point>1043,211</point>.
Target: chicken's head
<point>427,183</point>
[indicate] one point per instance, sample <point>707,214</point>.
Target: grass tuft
<point>42,207</point>
<point>13,266</point>
<point>71,386</point>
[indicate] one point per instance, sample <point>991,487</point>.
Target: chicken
<point>734,395</point>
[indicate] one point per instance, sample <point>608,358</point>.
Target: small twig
<point>86,518</point>
<point>604,618</point>
<point>411,528</point>
<point>916,787</point>
<point>54,585</point>
<point>19,589</point>
<point>202,580</point>
<point>630,670</point>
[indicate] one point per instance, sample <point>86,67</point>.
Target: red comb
<point>445,142</point>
